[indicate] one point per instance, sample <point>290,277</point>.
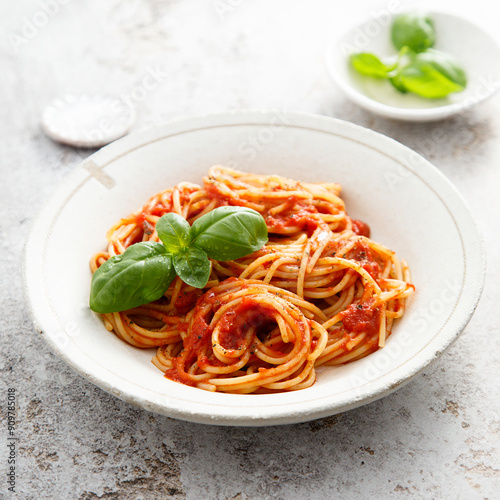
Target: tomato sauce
<point>234,325</point>
<point>187,300</point>
<point>302,220</point>
<point>362,253</point>
<point>204,361</point>
<point>141,218</point>
<point>232,331</point>
<point>158,210</point>
<point>222,199</point>
<point>362,317</point>
<point>361,228</point>
<point>199,337</point>
<point>195,344</point>
<point>178,375</point>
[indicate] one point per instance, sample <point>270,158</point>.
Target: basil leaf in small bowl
<point>228,233</point>
<point>405,94</point>
<point>397,82</point>
<point>433,74</point>
<point>369,65</point>
<point>140,275</point>
<point>414,30</point>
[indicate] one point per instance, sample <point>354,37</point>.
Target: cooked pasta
<point>319,292</point>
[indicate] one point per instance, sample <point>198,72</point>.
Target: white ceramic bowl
<point>474,48</point>
<point>410,206</point>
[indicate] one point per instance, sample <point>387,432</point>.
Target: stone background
<point>438,437</point>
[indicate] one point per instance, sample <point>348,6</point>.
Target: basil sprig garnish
<point>419,68</point>
<point>145,270</point>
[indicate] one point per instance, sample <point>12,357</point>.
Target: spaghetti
<point>320,292</point>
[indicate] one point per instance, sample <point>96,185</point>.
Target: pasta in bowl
<point>319,292</point>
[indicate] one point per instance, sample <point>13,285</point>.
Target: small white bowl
<point>474,48</point>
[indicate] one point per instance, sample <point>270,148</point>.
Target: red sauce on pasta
<point>362,317</point>
<point>361,228</point>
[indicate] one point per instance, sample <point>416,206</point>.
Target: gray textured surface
<point>438,437</point>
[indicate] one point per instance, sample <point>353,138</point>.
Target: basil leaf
<point>433,74</point>
<point>414,30</point>
<point>228,233</point>
<point>192,266</point>
<point>404,57</point>
<point>140,275</point>
<point>369,65</point>
<point>173,231</point>
<point>398,84</point>
<point>446,64</point>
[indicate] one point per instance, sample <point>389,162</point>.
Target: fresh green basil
<point>419,68</point>
<point>140,275</point>
<point>192,266</point>
<point>145,270</point>
<point>369,65</point>
<point>397,83</point>
<point>414,30</point>
<point>433,74</point>
<point>173,230</point>
<point>228,233</point>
